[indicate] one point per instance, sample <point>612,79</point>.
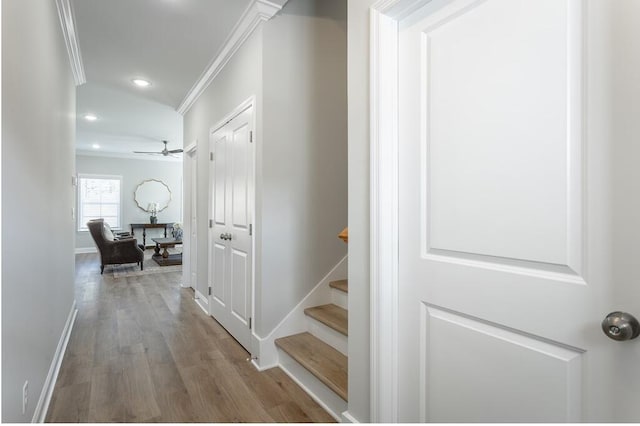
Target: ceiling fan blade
<point>146,152</point>
<point>175,151</point>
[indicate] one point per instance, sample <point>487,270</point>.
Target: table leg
<point>157,249</point>
<point>165,253</point>
<point>144,237</point>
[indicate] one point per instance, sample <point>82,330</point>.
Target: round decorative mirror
<point>152,192</point>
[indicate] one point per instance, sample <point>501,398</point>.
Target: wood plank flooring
<point>142,351</point>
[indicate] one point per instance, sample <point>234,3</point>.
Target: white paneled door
<point>230,236</point>
<point>518,171</point>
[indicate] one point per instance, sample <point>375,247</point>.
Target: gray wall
<point>38,132</point>
<point>359,293</point>
<point>304,157</point>
<point>134,172</point>
<point>295,65</point>
<point>239,80</point>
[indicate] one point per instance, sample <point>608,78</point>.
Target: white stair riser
<point>335,339</point>
<point>340,298</point>
<point>320,392</point>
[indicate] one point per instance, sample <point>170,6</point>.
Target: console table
<point>146,226</point>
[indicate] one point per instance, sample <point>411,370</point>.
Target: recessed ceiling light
<point>95,146</point>
<point>90,117</point>
<point>141,83</point>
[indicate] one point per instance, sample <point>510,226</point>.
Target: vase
<point>153,219</point>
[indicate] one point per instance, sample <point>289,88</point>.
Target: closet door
<point>230,237</point>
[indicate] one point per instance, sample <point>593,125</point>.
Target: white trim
<point>348,418</point>
<point>189,149</point>
<point>383,71</point>
<point>202,301</point>
<point>247,103</point>
<point>189,193</point>
<point>84,250</point>
<point>295,321</point>
<point>257,12</point>
<point>70,34</point>
<point>42,407</point>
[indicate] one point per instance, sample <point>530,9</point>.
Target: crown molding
<point>70,34</point>
<point>257,12</point>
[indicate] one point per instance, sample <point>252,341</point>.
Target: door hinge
<point>250,229</point>
<point>249,323</point>
<point>210,223</point>
<point>209,290</point>
<point>251,136</point>
<point>211,156</point>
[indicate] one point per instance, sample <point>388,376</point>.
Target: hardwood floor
<point>142,351</point>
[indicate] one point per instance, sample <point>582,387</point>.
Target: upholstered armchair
<point>112,251</point>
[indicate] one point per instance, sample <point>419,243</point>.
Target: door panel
<point>549,388</point>
<point>240,286</point>
<point>240,163</point>
<point>219,274</point>
<point>220,180</point>
<point>496,301</point>
<point>232,195</point>
<point>484,77</point>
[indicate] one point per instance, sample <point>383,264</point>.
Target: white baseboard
<point>202,301</point>
<point>83,250</point>
<point>42,407</point>
<point>348,418</point>
<point>295,321</point>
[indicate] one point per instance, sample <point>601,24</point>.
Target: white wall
<point>295,65</point>
<point>239,80</point>
<point>359,293</point>
<point>38,133</point>
<point>304,154</point>
<point>133,172</point>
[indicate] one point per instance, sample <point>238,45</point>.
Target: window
<point>99,196</point>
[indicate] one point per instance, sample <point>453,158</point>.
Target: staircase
<point>317,358</point>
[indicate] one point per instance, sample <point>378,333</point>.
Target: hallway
<point>141,350</point>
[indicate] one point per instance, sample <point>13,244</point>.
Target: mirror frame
<point>147,181</point>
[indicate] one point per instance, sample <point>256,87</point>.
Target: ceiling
<point>168,42</point>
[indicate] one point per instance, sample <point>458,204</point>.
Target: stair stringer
<point>296,321</point>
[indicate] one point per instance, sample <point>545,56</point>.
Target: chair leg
<point>141,265</point>
<point>101,269</point>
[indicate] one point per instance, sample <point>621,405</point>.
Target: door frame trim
<point>384,200</point>
<point>243,106</point>
<point>191,151</point>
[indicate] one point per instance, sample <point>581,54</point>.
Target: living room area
<point>129,177</point>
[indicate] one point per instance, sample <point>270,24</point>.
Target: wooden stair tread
<point>344,235</point>
<point>323,361</point>
<point>332,316</point>
<point>342,285</point>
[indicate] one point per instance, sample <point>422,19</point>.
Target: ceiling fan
<point>166,152</point>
